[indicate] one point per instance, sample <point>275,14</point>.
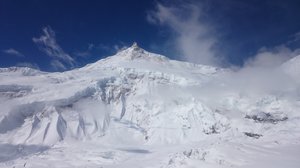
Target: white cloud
<point>271,57</point>
<point>48,44</point>
<point>260,74</point>
<point>296,37</point>
<point>194,38</point>
<point>57,65</point>
<point>104,47</point>
<point>14,52</point>
<point>113,48</point>
<point>82,53</point>
<point>118,48</point>
<point>87,52</point>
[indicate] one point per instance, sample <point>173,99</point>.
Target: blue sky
<point>60,35</point>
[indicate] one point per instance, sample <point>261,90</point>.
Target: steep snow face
<point>137,106</point>
<point>134,87</point>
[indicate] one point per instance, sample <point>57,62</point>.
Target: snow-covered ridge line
<point>22,70</point>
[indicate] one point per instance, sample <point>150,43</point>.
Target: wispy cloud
<point>92,48</point>
<point>194,38</point>
<point>197,40</point>
<point>57,65</point>
<point>295,39</point>
<point>297,36</point>
<point>113,48</point>
<point>118,48</point>
<point>272,57</point>
<point>14,52</point>
<point>87,52</point>
<point>104,47</point>
<point>48,44</point>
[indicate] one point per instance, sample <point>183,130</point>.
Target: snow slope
<point>139,109</point>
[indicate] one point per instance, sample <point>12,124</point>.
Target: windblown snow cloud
<point>120,47</point>
<point>263,74</point>
<point>13,52</point>
<point>272,57</point>
<point>48,44</point>
<point>57,65</point>
<point>194,38</point>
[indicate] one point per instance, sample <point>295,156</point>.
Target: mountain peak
<point>134,48</point>
<point>135,45</point>
<point>136,52</point>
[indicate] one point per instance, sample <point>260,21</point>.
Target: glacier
<point>140,109</point>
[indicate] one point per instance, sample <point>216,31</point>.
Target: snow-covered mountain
<point>139,109</point>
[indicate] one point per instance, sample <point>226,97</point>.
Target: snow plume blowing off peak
<point>194,38</point>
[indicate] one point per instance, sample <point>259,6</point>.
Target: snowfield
<point>142,110</point>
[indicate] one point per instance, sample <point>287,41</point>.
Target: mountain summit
<point>136,52</point>
<point>135,45</point>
